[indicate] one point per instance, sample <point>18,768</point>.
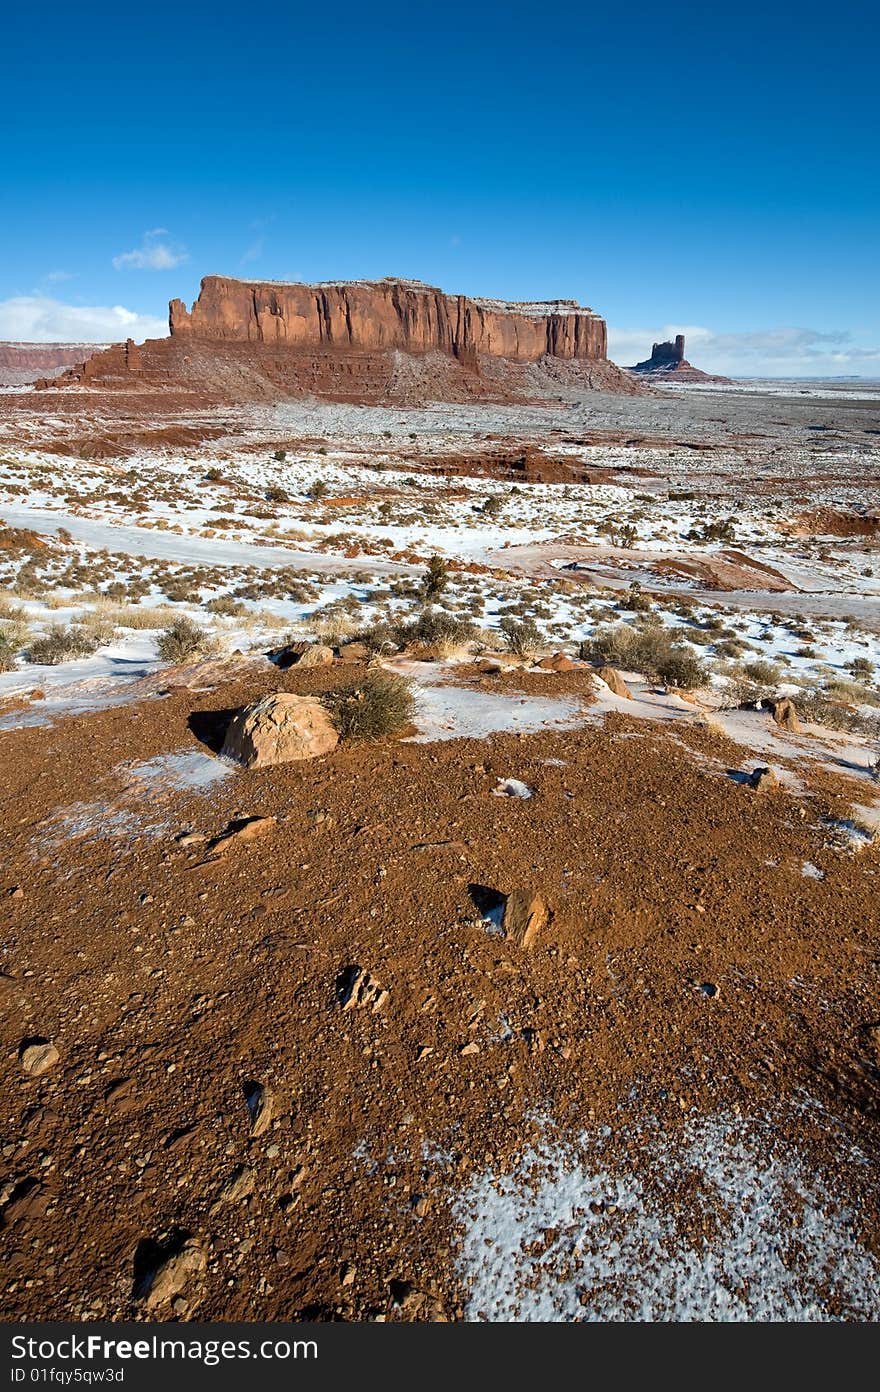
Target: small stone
<point>16,892</point>
<point>169,1278</point>
<point>261,1106</point>
<point>764,780</point>
<point>239,1185</point>
<point>471,1048</point>
<point>525,916</point>
<point>246,829</point>
<point>786,716</point>
<point>357,989</point>
<point>347,1274</point>
<point>37,1056</point>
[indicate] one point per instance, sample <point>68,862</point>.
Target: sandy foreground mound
<point>315,1076</point>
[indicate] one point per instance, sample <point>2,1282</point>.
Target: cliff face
<point>379,315</point>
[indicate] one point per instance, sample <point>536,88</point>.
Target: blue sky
<point>676,166</point>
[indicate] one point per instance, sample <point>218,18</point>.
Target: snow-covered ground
<point>330,532</point>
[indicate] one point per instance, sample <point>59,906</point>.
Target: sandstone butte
<point>360,340</point>
<point>668,359</point>
<point>389,314</point>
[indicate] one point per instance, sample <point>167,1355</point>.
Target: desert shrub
<point>7,655</point>
<point>318,489</point>
<point>436,633</point>
<point>722,530</point>
<point>493,506</point>
<point>331,627</point>
<point>861,669</point>
<point>182,593</point>
<point>214,475</point>
<point>380,637</point>
<point>277,494</point>
<point>182,638</point>
<point>380,705</point>
<point>853,692</point>
<point>59,644</point>
<point>764,673</point>
<point>280,455</point>
<point>227,606</point>
<point>636,602</point>
<point>650,649</point>
<point>436,578</point>
<point>819,708</point>
<point>431,625</point>
<point>14,632</point>
<point>522,636</point>
<point>680,667</point>
<point>10,609</point>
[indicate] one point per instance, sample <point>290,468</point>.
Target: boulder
<point>786,716</point>
<point>302,655</point>
<point>279,729</point>
<point>614,681</point>
<point>557,662</point>
<point>354,652</point>
<point>525,916</point>
<point>315,655</point>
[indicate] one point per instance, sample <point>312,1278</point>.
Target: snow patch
<point>574,1234</point>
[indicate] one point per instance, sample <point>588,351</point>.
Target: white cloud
<point>55,276</point>
<point>782,352</point>
<point>152,254</point>
<point>40,319</point>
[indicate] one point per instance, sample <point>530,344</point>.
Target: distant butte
<point>23,363</point>
<point>363,341</point>
<point>668,360</point>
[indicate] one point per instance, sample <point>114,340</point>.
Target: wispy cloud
<point>55,277</point>
<point>253,252</point>
<point>153,254</point>
<point>781,352</point>
<point>41,319</point>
